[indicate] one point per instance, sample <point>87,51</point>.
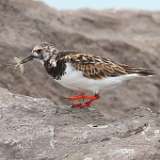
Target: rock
<point>130,37</point>
<point>37,129</point>
<point>48,129</point>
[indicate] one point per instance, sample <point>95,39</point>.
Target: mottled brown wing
<point>93,67</point>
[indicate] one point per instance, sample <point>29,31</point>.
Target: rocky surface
<point>125,123</point>
<point>37,129</point>
<point>131,37</point>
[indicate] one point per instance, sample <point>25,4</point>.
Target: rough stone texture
<point>37,129</point>
<point>120,128</point>
<point>131,37</point>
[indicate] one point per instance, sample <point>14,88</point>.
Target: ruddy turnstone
<point>80,71</point>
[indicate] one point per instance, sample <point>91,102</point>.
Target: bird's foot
<point>81,105</point>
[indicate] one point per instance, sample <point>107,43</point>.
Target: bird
<point>83,72</point>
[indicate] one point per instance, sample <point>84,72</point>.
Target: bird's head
<point>42,52</point>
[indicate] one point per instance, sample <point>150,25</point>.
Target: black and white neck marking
<point>55,68</point>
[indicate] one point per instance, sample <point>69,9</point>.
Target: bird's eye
<point>39,51</point>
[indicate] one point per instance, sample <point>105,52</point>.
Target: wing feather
<point>93,67</point>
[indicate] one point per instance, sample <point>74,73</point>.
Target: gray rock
<point>37,129</point>
<point>130,37</point>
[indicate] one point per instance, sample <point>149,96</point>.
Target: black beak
<point>27,59</point>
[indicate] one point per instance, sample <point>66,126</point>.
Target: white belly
<point>75,80</point>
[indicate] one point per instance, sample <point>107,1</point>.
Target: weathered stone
<point>37,129</point>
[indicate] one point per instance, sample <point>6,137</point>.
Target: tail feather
<point>141,71</point>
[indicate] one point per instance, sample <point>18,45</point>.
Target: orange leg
<point>86,104</point>
<point>80,97</point>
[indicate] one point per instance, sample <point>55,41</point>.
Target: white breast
<point>75,80</point>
